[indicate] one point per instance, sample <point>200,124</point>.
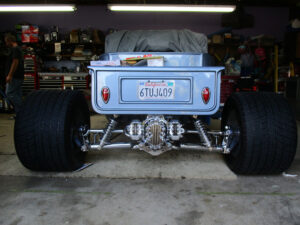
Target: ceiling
<point>93,2</point>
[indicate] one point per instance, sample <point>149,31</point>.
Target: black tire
<point>46,130</point>
<point>268,133</point>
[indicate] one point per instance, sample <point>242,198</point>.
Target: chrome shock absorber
<point>200,127</point>
<point>107,133</point>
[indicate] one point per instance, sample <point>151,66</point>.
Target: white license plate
<point>156,89</point>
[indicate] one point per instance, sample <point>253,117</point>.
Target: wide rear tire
<point>46,130</point>
<point>268,133</point>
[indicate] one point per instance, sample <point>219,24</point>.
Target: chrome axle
<point>167,134</point>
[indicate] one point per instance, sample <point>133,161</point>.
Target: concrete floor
<point>177,188</point>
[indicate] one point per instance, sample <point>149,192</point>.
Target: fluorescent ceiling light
<point>37,8</point>
<point>171,8</point>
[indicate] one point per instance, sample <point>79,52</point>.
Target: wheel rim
<point>77,123</point>
<point>78,120</point>
<point>233,124</point>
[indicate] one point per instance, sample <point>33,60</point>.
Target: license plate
<point>156,89</point>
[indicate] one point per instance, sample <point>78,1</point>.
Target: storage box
<point>106,63</point>
<point>155,62</point>
<point>30,34</point>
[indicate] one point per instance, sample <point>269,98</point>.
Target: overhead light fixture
<point>37,8</point>
<point>172,8</point>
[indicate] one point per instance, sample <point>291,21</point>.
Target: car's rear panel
<point>172,90</point>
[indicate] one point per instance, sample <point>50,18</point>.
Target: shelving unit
<point>67,50</point>
<point>46,80</point>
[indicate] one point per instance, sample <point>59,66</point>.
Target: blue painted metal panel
<point>124,82</point>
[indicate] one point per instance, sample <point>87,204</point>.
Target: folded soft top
<point>156,41</point>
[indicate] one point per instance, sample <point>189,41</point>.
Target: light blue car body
<point>185,70</point>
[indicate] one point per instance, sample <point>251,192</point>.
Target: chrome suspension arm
<point>102,141</point>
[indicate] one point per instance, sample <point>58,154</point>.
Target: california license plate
<point>156,89</point>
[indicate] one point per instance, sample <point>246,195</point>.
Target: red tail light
<point>205,95</point>
<point>105,93</point>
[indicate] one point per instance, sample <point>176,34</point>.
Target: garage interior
<point>132,187</point>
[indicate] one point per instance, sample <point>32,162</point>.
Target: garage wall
<point>268,20</point>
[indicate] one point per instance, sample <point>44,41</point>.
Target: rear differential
<point>155,134</point>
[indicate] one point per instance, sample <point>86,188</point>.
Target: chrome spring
<point>200,127</point>
<point>107,133</point>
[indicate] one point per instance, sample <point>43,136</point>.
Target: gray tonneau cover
<point>156,41</point>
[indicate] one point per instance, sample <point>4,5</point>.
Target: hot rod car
<point>158,109</point>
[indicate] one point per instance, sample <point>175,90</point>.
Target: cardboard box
<point>57,47</point>
<point>155,62</point>
<point>106,63</point>
<point>217,39</point>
